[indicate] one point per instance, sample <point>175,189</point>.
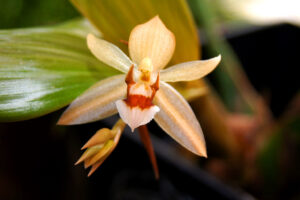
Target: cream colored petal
<point>178,120</point>
<point>96,103</point>
<point>152,40</point>
<point>189,71</point>
<point>108,53</point>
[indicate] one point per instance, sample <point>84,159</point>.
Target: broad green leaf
<point>116,18</point>
<point>44,69</point>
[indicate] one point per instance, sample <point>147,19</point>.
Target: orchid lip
<point>137,109</point>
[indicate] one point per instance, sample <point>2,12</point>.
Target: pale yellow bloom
<point>151,46</point>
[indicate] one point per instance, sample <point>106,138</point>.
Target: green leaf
<point>10,11</point>
<point>279,154</point>
<point>115,19</point>
<point>44,69</point>
<point>27,13</point>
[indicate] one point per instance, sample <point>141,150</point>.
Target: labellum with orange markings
<point>138,108</point>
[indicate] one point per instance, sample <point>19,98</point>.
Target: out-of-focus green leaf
<point>234,87</point>
<point>116,18</point>
<point>25,13</point>
<point>279,155</point>
<point>9,12</point>
<point>269,158</point>
<point>43,69</point>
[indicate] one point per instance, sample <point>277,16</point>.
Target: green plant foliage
<point>115,19</point>
<point>44,69</point>
<point>232,83</point>
<point>25,13</point>
<point>279,156</point>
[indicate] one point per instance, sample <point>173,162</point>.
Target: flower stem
<point>144,135</point>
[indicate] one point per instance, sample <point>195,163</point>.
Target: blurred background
<point>250,118</point>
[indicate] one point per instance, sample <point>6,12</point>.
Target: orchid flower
<point>142,93</point>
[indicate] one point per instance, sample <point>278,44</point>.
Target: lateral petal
<point>96,103</point>
<point>108,53</point>
<point>189,71</point>
<point>152,40</point>
<point>178,120</point>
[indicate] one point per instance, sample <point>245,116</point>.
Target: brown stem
<point>144,135</point>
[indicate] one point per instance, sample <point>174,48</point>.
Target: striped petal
<point>108,53</point>
<point>152,40</point>
<point>189,71</point>
<point>178,120</point>
<point>96,103</point>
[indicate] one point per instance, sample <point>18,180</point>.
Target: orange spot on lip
<point>140,101</point>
